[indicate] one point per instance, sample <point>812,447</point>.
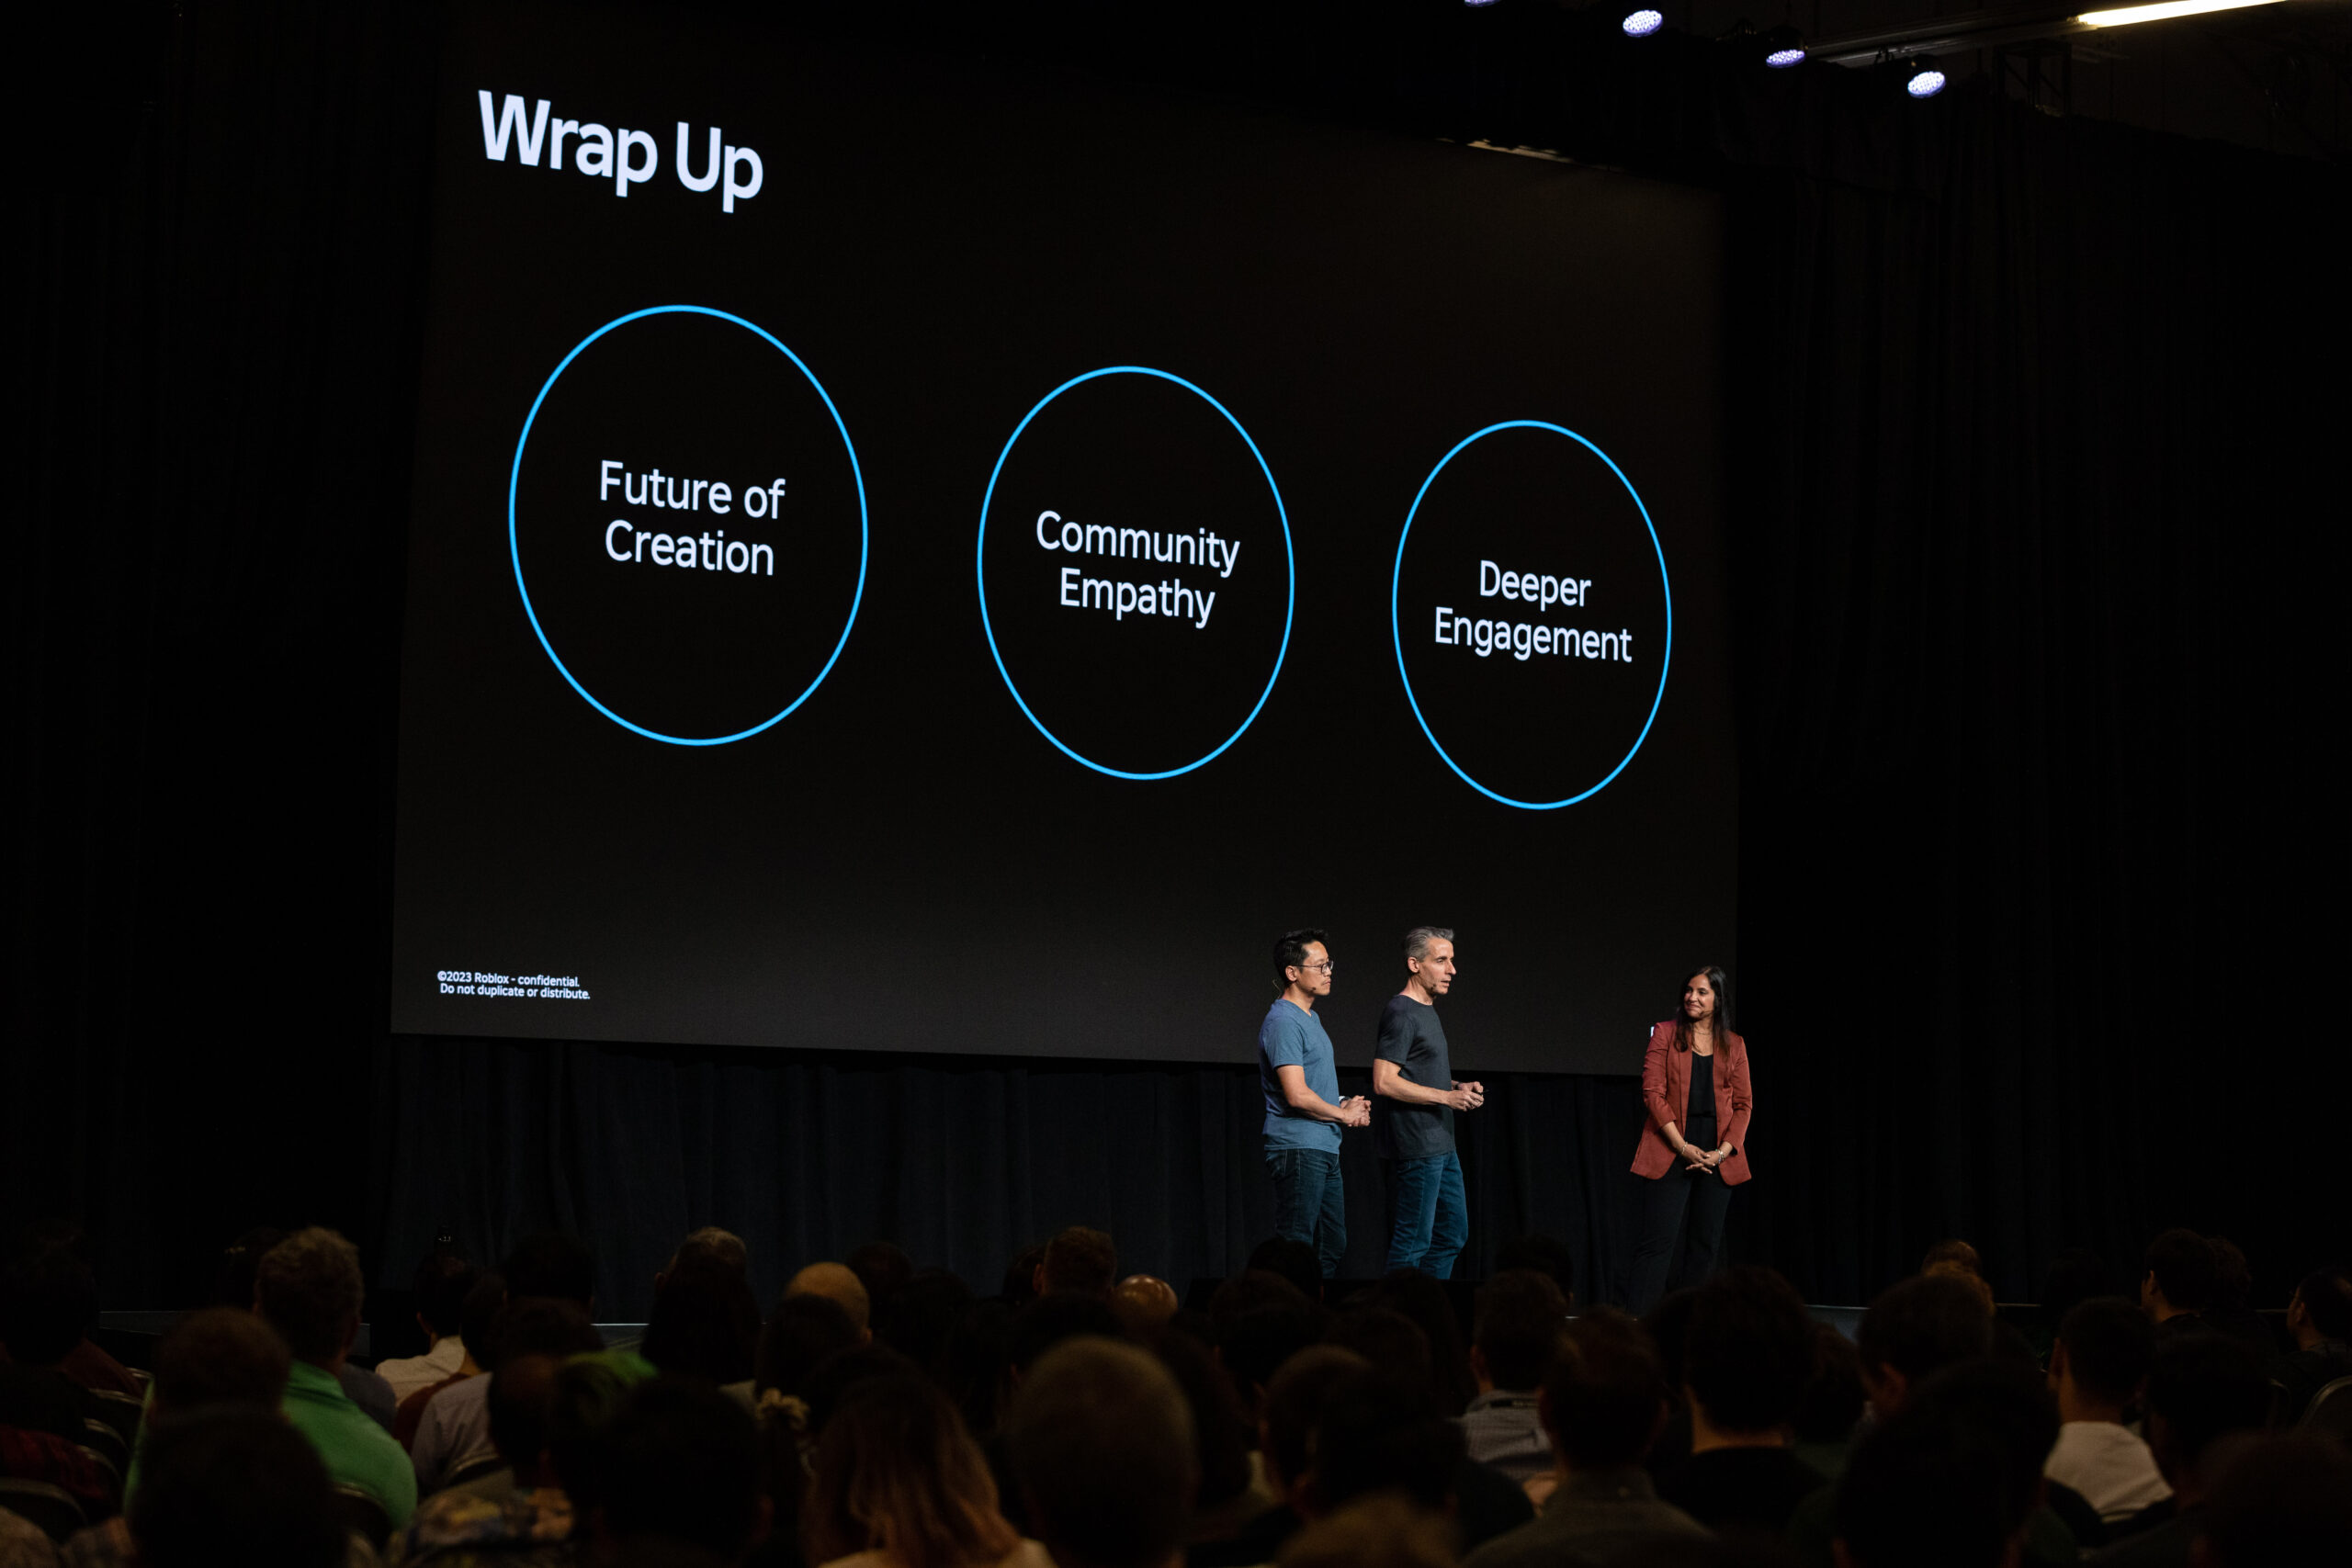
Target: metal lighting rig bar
<point>1953,34</point>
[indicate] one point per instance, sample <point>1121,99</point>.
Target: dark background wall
<point>2036,533</point>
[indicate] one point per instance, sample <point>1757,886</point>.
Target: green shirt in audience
<point>357,1452</point>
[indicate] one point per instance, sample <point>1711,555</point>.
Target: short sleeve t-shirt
<point>1411,1036</point>
<point>1292,1037</point>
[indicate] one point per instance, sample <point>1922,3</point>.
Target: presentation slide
<point>927,556</point>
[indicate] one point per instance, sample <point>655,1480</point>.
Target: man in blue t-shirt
<point>1303,1112</point>
<point>1414,1098</point>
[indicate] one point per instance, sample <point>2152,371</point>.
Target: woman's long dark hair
<point>1720,984</point>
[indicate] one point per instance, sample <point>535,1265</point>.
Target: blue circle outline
<point>1397,631</point>
<point>980,566</point>
<point>514,550</point>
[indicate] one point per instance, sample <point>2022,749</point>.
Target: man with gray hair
<point>1102,1443</point>
<point>1414,1097</point>
<point>310,1289</point>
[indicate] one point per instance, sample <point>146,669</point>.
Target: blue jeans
<point>1310,1202</point>
<point>1428,1213</point>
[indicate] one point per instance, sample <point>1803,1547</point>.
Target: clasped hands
<point>1355,1111</point>
<point>1704,1160</point>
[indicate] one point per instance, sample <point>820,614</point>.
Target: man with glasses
<point>1415,1097</point>
<point>1300,1077</point>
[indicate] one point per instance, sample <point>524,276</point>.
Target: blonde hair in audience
<point>896,1473</point>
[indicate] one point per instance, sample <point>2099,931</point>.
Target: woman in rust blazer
<point>1693,1145</point>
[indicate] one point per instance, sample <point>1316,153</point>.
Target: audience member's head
<point>711,1248</point>
<point>1221,1435</point>
<point>521,1390</point>
<point>478,1318</point>
<point>49,1298</point>
<point>922,1316</point>
<point>1373,1532</point>
<point>1953,1269</point>
<point>1424,1301</point>
<point>1102,1443</point>
<point>2321,1307</point>
<point>2232,1276</point>
<point>1386,1338</point>
<point>540,1325</point>
<point>1953,1250</point>
<point>590,1391</point>
<point>2004,1401</point>
<point>882,1268</point>
<point>219,1356</point>
<point>1833,1397</point>
<point>1520,1314</point>
<point>1048,1321</point>
<point>2075,1276</point>
<point>1145,1302</point>
<point>441,1283</point>
<point>839,1383</point>
<point>234,1484</point>
<point>310,1288</point>
<point>2284,1499</point>
<point>552,1264</point>
<point>1294,1260</point>
<point>1382,1433</point>
<point>1252,1343</point>
<point>2201,1387</point>
<point>706,1324</point>
<point>232,1276</point>
<point>1252,1289</point>
<point>1914,1329</point>
<point>679,1463</point>
<point>2180,1274</point>
<point>1078,1261</point>
<point>1923,1493</point>
<point>839,1284</point>
<point>1604,1396</point>
<point>1548,1255</point>
<point>1292,1410</point>
<point>1668,1327</point>
<point>2101,1359</point>
<point>975,1365</point>
<point>1749,1351</point>
<point>896,1473</point>
<point>802,1334</point>
<point>1020,1285</point>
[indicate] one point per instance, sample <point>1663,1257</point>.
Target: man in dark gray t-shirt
<point>1414,1097</point>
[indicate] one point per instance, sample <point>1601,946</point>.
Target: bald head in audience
<point>836,1283</point>
<point>1145,1302</point>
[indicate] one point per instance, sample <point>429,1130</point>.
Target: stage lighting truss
<point>1959,32</point>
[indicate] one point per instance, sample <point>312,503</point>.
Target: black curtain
<point>963,1161</point>
<point>2034,536</point>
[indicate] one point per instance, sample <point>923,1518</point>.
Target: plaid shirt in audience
<point>30,1455</point>
<point>1502,1430</point>
<point>529,1528</point>
<point>109,1546</point>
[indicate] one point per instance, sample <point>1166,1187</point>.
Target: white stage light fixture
<point>1641,24</point>
<point>1927,79</point>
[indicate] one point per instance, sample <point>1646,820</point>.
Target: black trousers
<point>1682,1236</point>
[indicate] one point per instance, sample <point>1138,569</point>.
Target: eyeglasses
<point>1324,968</point>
